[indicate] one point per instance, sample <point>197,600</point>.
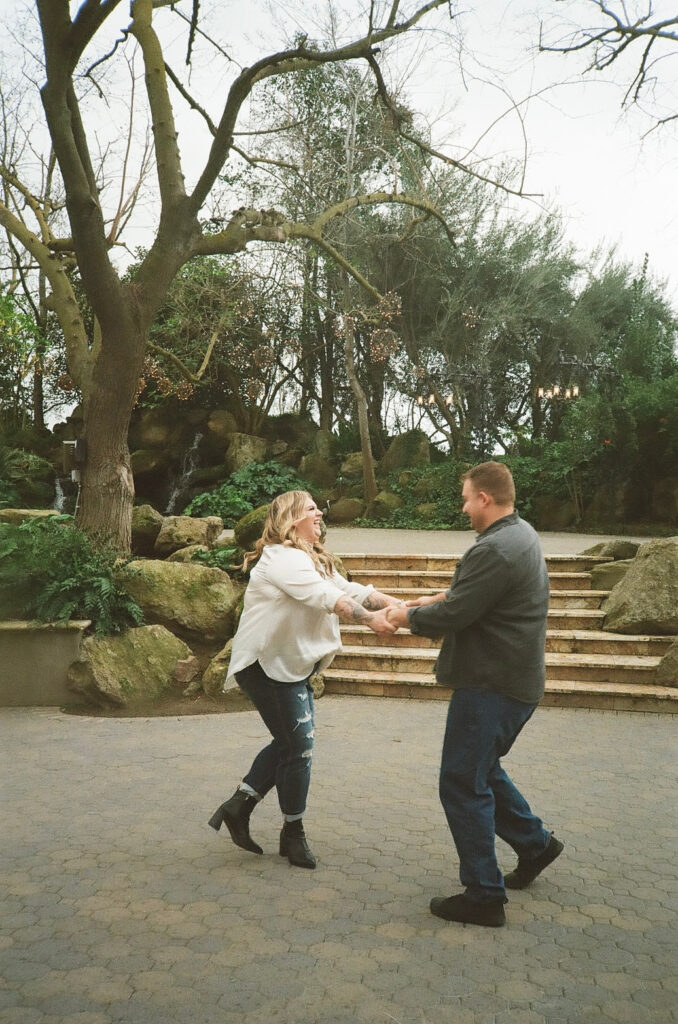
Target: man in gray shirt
<point>493,623</point>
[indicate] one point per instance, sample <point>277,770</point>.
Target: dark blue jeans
<point>478,797</point>
<point>287,712</point>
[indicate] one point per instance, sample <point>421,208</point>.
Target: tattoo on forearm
<point>374,601</point>
<point>350,611</point>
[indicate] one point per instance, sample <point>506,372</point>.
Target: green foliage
<point>253,485</point>
<point>51,571</point>
<point>227,559</point>
<point>225,501</point>
<point>438,485</point>
<point>9,496</point>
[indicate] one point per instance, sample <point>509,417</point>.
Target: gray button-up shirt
<point>493,618</point>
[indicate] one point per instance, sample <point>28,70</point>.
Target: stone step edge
<point>393,573</point>
<point>447,557</point>
<point>555,634</point>
<point>427,682</point>
<point>394,591</point>
<point>642,662</point>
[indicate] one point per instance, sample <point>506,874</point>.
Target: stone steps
<point>559,692</point>
<point>392,581</point>
<point>558,641</point>
<point>585,666</point>
<point>559,598</point>
<point>603,668</point>
<point>447,563</point>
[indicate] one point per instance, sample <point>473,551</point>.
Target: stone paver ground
<point>119,904</point>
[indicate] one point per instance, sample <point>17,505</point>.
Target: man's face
<point>475,506</point>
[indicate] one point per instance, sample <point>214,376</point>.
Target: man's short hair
<point>494,478</point>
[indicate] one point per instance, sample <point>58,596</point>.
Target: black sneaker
<point>460,908</point>
<point>527,870</point>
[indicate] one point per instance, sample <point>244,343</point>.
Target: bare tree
<point>621,31</point>
<point>107,366</point>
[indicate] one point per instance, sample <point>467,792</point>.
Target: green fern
<point>51,571</point>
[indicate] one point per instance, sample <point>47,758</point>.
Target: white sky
<point>584,155</point>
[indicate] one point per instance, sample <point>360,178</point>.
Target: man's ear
<point>485,497</point>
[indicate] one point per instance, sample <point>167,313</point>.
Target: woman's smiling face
<point>308,527</point>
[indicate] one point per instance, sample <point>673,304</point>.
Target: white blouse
<point>287,623</point>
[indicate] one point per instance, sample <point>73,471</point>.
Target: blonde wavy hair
<point>280,527</point>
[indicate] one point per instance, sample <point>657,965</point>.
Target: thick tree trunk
<point>107,487</point>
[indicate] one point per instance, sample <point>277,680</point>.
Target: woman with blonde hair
<point>288,630</point>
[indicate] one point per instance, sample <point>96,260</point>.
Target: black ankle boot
<point>235,815</point>
<point>293,845</point>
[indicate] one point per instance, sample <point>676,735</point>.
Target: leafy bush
<point>438,485</point>
<point>225,558</point>
<point>253,485</point>
<point>51,571</point>
<point>225,501</point>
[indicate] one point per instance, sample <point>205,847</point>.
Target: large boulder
<point>186,554</point>
<point>352,466</point>
<point>646,600</point>
<point>317,470</point>
<point>298,431</point>
<point>386,503</point>
<point>221,423</point>
<point>249,529</point>
<point>189,599</point>
<point>214,678</point>
<point>33,479</point>
<point>609,574</point>
<point>146,524</point>
<point>133,668</point>
<point>243,449</point>
<point>667,670</point>
<point>182,531</point>
<point>615,550</point>
<point>406,451</point>
<point>345,510</point>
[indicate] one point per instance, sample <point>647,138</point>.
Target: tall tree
<point>107,366</point>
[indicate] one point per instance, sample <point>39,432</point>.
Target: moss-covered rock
<point>609,574</point>
<point>183,531</point>
<point>345,510</point>
<point>215,676</point>
<point>407,451</point>
<point>249,529</point>
<point>385,503</point>
<point>613,549</point>
<point>186,554</point>
<point>243,449</point>
<point>146,524</point>
<point>317,470</point>
<point>133,668</point>
<point>646,599</point>
<point>189,599</point>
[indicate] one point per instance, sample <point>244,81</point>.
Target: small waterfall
<point>181,483</point>
<point>59,497</point>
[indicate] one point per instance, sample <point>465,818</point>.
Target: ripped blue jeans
<point>287,712</point>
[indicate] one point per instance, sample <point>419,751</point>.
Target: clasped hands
<point>391,618</point>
